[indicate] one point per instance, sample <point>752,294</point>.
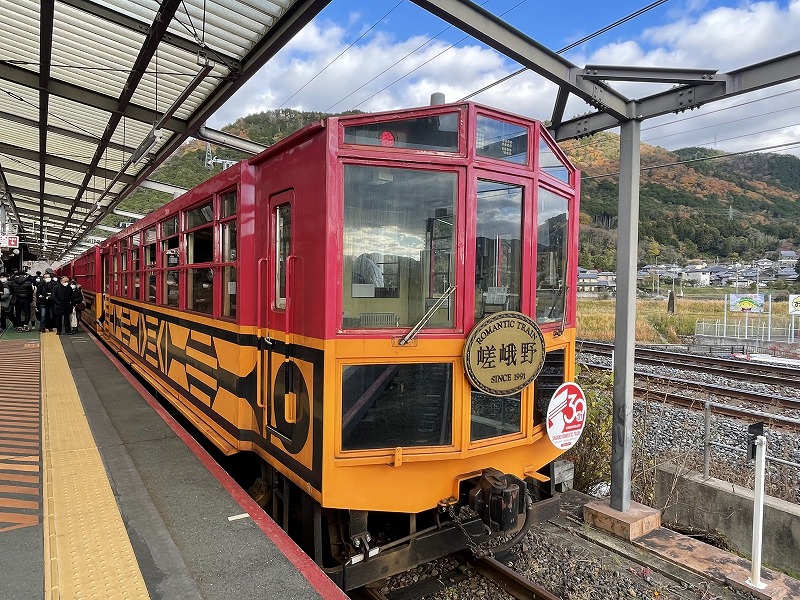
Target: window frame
<point>221,222</point>
<point>462,112</point>
<point>461,173</point>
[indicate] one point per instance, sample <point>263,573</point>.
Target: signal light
<point>387,139</point>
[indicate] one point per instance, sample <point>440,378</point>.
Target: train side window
<point>150,263</point>
<point>283,241</point>
<point>228,258</point>
<point>551,256</point>
<point>200,251</point>
<point>550,163</point>
<point>169,227</point>
<point>171,278</point>
<point>123,266</point>
<point>201,289</point>
<point>135,266</point>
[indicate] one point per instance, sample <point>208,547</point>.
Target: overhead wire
<point>600,143</point>
<point>431,59</point>
<point>394,64</point>
<point>341,54</point>
<point>700,159</point>
<point>597,33</point>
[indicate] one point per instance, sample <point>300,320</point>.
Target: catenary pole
<point>625,328</point>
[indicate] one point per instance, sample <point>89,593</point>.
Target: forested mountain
<point>694,202</point>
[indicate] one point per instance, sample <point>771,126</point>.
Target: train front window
<point>551,256</point>
<point>436,132</point>
<point>399,238</point>
<point>396,405</point>
<point>501,140</point>
<point>493,416</point>
<point>550,163</point>
<point>498,245</point>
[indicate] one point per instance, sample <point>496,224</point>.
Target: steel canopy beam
<point>740,81</point>
<point>132,24</point>
<point>648,74</point>
<point>492,31</point>
<point>163,187</point>
<point>298,16</point>
<point>62,163</point>
<point>81,95</point>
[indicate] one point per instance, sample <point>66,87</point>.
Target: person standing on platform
<point>44,300</point>
<point>21,296</point>
<point>62,305</point>
<point>35,282</point>
<point>77,306</point>
<point>5,302</point>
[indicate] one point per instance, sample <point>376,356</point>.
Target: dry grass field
<point>653,323</point>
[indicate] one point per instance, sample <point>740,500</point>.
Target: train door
<point>285,394</point>
<point>105,285</point>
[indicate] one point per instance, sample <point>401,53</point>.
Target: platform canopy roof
<point>95,94</point>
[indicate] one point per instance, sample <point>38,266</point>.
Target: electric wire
<point>341,54</point>
<point>394,64</point>
<point>701,159</point>
<point>599,32</point>
<point>609,142</point>
<point>433,58</point>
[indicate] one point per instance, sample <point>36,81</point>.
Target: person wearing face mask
<point>62,305</point>
<point>44,300</point>
<point>5,302</point>
<point>21,296</point>
<point>77,306</point>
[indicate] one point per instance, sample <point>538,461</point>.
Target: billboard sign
<point>9,241</point>
<point>794,304</point>
<point>749,303</point>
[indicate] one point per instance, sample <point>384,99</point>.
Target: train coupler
<point>499,499</point>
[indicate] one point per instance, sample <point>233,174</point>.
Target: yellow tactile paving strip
<point>87,550</point>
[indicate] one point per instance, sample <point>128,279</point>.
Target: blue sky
<point>403,57</point>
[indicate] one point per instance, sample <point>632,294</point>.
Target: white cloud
<point>723,38</point>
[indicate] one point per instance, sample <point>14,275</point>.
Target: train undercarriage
<point>355,547</point>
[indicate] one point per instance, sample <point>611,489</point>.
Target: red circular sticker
<point>566,415</point>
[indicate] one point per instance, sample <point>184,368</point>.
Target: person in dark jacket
<point>21,298</point>
<point>44,300</point>
<point>5,302</point>
<point>77,306</point>
<point>62,305</point>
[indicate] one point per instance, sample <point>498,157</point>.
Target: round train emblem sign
<point>566,415</point>
<point>504,353</point>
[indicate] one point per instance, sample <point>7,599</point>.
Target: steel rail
<point>734,369</point>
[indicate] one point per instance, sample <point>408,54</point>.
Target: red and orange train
<point>380,306</point>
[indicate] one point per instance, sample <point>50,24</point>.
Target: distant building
<point>592,283</point>
<point>787,258</point>
<point>699,275</point>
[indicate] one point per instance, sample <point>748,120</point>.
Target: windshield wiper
<point>426,317</point>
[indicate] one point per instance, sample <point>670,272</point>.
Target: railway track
<point>713,365</point>
<point>723,400</point>
<point>507,579</point>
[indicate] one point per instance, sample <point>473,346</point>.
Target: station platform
<point>104,495</point>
